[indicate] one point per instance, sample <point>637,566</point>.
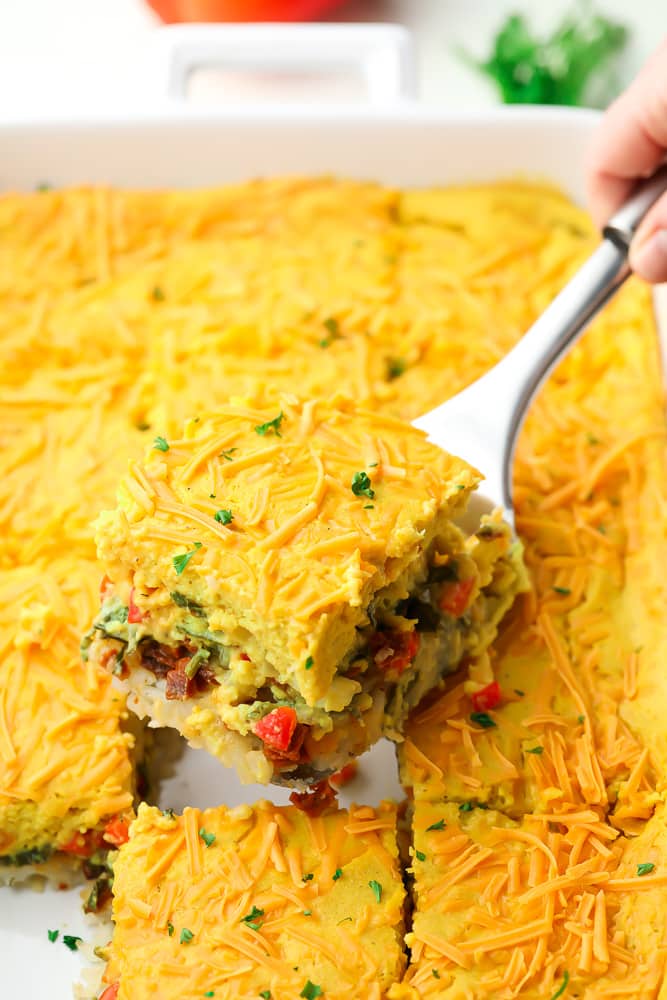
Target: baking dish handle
<point>377,58</point>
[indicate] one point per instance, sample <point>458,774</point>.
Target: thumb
<point>648,251</point>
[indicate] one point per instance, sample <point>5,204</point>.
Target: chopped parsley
<point>337,874</point>
<point>563,590</point>
<point>519,692</point>
<point>186,936</point>
<point>395,368</point>
<point>265,994</point>
<point>563,986</point>
<point>482,719</point>
<point>160,444</point>
<point>536,750</point>
<point>271,425</point>
<point>208,838</point>
<point>420,856</point>
<point>361,485</point>
<point>224,516</point>
<point>440,825</point>
<point>182,560</point>
<point>343,921</point>
<point>157,294</point>
<point>332,328</point>
<point>309,663</point>
<point>435,973</point>
<point>307,913</point>
<point>369,506</point>
<point>168,813</point>
<point>53,935</point>
<point>170,928</point>
<point>143,426</point>
<point>209,993</point>
<point>466,807</point>
<point>581,719</point>
<point>72,942</point>
<point>645,868</point>
<point>308,877</point>
<point>227,453</point>
<point>377,889</point>
<point>311,991</point>
<point>592,439</point>
<point>251,919</point>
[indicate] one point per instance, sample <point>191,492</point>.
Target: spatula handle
<point>623,225</point>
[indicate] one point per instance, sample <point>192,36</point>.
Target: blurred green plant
<point>574,65</point>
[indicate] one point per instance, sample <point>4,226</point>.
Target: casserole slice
<point>66,763</point>
<point>285,584</point>
<point>528,908</point>
<point>257,901</point>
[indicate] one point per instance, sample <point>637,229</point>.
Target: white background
<point>57,55</point>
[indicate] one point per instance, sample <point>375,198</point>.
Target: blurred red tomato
<point>241,10</point>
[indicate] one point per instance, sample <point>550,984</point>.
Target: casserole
<point>176,147</point>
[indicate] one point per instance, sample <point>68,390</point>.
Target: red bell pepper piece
<point>488,697</point>
<point>455,596</point>
<point>277,728</point>
<point>134,615</point>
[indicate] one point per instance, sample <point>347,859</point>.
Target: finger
<point>648,252</point>
<point>631,140</point>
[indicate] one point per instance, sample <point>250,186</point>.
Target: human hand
<point>630,144</point>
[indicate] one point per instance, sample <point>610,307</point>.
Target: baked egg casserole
<point>285,584</point>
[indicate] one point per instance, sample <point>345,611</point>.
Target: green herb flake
<point>72,942</point>
<point>308,877</point>
<point>143,426</point>
<point>170,928</point>
<point>420,856</point>
<point>602,529</point>
<point>252,919</point>
<point>182,560</point>
<point>565,591</point>
<point>337,874</point>
<point>209,993</point>
<point>440,825</point>
<point>157,294</point>
<point>52,935</point>
<point>581,719</point>
<point>224,516</point>
<point>311,991</point>
<point>376,888</point>
<point>435,973</point>
<point>369,506</point>
<point>344,921</point>
<point>395,368</point>
<point>307,913</point>
<point>271,425</point>
<point>536,750</point>
<point>466,807</point>
<point>592,439</point>
<point>331,326</point>
<point>186,936</point>
<point>563,986</point>
<point>265,994</point>
<point>645,868</point>
<point>208,838</point>
<point>361,485</point>
<point>227,453</point>
<point>168,814</point>
<point>519,692</point>
<point>160,444</point>
<point>459,486</point>
<point>308,665</point>
<point>482,719</point>
<point>44,186</point>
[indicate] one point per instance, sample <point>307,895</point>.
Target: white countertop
<point>60,55</point>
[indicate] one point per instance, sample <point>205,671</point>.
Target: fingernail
<point>649,259</point>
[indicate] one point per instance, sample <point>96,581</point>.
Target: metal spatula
<point>482,423</point>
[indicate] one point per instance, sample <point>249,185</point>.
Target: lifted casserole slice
<point>260,901</point>
<point>66,776</point>
<point>284,585</point>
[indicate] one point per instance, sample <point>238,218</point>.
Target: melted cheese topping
<point>244,900</point>
<point>64,763</point>
<point>513,902</point>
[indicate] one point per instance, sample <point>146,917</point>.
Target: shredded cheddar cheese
<point>257,925</point>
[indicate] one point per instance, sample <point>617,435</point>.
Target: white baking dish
<point>388,138</point>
